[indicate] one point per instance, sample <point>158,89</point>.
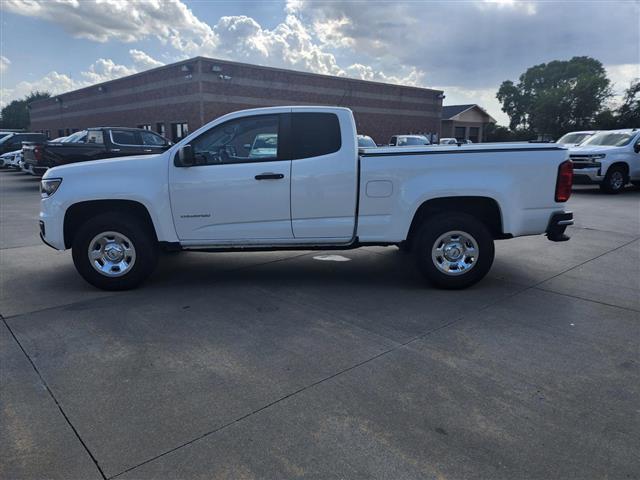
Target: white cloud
<point>101,70</point>
<point>143,61</point>
<point>622,75</point>
<point>170,21</point>
<point>4,63</point>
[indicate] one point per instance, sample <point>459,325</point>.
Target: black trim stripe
<point>453,152</point>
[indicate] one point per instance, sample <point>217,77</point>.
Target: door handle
<point>269,176</point>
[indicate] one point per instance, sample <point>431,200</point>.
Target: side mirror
<point>185,157</point>
<point>636,147</point>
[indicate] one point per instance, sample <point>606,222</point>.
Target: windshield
<point>365,141</point>
<point>6,137</point>
<point>412,141</point>
<point>75,137</point>
<point>573,138</point>
<point>610,139</point>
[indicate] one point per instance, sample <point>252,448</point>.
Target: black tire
<point>144,244</point>
<point>615,180</point>
<point>404,247</point>
<point>433,228</point>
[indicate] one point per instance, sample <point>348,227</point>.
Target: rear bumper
<point>557,225</point>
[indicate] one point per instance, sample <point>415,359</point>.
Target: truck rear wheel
<point>113,251</point>
<point>454,250</point>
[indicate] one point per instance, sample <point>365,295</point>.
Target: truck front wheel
<point>454,250</point>
<point>112,251</point>
<point>615,180</point>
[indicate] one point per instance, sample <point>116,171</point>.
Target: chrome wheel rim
<point>455,253</point>
<point>617,180</point>
<point>111,254</point>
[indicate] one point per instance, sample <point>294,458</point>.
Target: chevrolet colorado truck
<point>610,159</point>
<point>92,144</point>
<point>314,190</point>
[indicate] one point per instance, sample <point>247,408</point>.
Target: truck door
<point>239,188</point>
<point>324,157</point>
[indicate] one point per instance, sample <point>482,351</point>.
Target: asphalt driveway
<point>289,365</point>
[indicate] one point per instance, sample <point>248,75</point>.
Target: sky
<point>466,48</point>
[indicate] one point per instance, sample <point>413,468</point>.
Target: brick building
<point>178,98</point>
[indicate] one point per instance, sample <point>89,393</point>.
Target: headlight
<point>49,186</point>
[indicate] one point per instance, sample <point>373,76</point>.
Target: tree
<point>556,97</point>
<point>629,111</point>
<point>16,114</point>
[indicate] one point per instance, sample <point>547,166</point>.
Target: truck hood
<point>593,149</point>
<point>94,167</point>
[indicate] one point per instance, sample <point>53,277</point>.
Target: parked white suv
<point>610,159</point>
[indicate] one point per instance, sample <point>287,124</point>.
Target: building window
<point>179,131</point>
<point>460,133</point>
<point>160,129</point>
<point>474,134</point>
<point>145,126</point>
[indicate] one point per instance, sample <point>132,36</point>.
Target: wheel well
<point>624,166</point>
<point>483,208</point>
<point>78,213</point>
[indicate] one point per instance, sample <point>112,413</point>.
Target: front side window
<point>125,137</point>
<point>248,139</point>
<point>314,134</point>
<point>153,140</point>
<point>94,136</point>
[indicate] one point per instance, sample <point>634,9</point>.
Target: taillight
<point>564,181</point>
<point>37,152</point>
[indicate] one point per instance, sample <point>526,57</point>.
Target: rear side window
<point>95,136</point>
<point>125,137</point>
<point>314,134</point>
<point>152,139</point>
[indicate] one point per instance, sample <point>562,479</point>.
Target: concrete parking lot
<point>283,365</point>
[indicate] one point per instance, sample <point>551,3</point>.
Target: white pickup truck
<point>315,190</point>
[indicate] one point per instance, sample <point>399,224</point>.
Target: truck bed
<point>519,177</point>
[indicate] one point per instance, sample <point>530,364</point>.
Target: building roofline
<point>242,64</point>
<point>471,106</point>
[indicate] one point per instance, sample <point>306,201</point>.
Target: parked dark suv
<point>93,144</point>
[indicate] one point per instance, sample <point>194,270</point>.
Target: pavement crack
<point>53,397</point>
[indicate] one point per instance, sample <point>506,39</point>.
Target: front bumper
<point>51,225</point>
<point>587,175</point>
<point>557,225</point>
